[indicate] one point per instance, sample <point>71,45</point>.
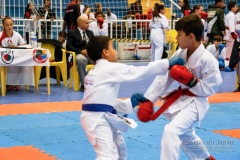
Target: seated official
<point>16,75</point>
<point>76,41</point>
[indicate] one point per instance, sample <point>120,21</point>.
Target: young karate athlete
<point>100,103</point>
<point>198,78</point>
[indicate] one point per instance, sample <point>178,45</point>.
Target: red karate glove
<point>145,111</point>
<point>183,75</point>
<point>186,12</point>
<point>100,21</point>
<point>203,15</point>
<point>234,35</point>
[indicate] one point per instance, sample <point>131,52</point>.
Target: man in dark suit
<point>76,42</point>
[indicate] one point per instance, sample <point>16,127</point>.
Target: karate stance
<point>198,78</point>
<point>100,104</point>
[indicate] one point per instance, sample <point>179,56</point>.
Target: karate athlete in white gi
<point>157,25</point>
<point>99,26</point>
<point>230,23</point>
<point>100,103</point>
<point>16,75</point>
<point>218,50</point>
<point>189,103</point>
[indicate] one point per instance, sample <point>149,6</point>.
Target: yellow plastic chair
<point>172,41</point>
<point>74,76</point>
<point>61,66</point>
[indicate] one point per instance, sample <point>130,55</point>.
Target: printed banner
<point>24,57</point>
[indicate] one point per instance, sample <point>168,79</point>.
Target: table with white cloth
<point>34,57</point>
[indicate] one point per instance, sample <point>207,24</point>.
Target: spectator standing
<point>185,7</point>
<point>157,25</point>
<point>230,24</point>
<point>46,12</point>
<point>30,13</point>
<point>72,13</point>
<point>76,42</point>
<point>98,7</point>
<point>87,12</point>
<point>136,7</point>
<point>215,20</point>
<point>130,26</point>
<point>81,6</point>
<point>110,17</point>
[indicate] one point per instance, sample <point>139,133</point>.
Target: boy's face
<point>110,53</point>
<point>183,40</point>
<point>234,9</point>
<point>216,43</point>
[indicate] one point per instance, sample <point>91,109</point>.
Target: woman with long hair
<point>157,25</point>
<point>30,13</point>
<point>185,7</point>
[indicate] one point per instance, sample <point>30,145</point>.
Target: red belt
<point>172,97</point>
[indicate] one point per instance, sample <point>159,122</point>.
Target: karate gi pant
<point>229,47</point>
<point>180,133</point>
<point>107,141</point>
<point>158,40</point>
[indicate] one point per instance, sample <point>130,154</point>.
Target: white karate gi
<point>110,18</point>
<point>215,52</point>
<point>101,87</point>
<point>230,22</point>
<point>17,75</point>
<point>97,31</point>
<point>157,26</point>
<point>187,110</point>
<point>238,24</point>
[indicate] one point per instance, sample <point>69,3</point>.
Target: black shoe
<point>238,89</point>
<point>82,88</point>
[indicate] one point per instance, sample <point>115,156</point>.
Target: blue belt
<point>98,108</point>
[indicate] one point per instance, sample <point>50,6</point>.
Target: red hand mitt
<point>145,111</point>
<point>183,75</point>
<point>100,21</point>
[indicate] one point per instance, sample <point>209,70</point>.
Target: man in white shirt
<point>109,17</point>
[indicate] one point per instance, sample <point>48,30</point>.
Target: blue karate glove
<point>136,98</point>
<point>221,46</point>
<point>175,60</point>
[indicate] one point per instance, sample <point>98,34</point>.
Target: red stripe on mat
<point>47,107</point>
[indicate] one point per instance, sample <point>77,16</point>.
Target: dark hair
<point>27,10</point>
<point>195,7</point>
<point>216,1</point>
<point>231,4</point>
<point>96,45</point>
<point>191,24</point>
<point>99,12</point>
<point>217,38</point>
<point>97,6</point>
<point>61,34</point>
<point>85,8</point>
<point>156,10</point>
<point>186,6</point>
